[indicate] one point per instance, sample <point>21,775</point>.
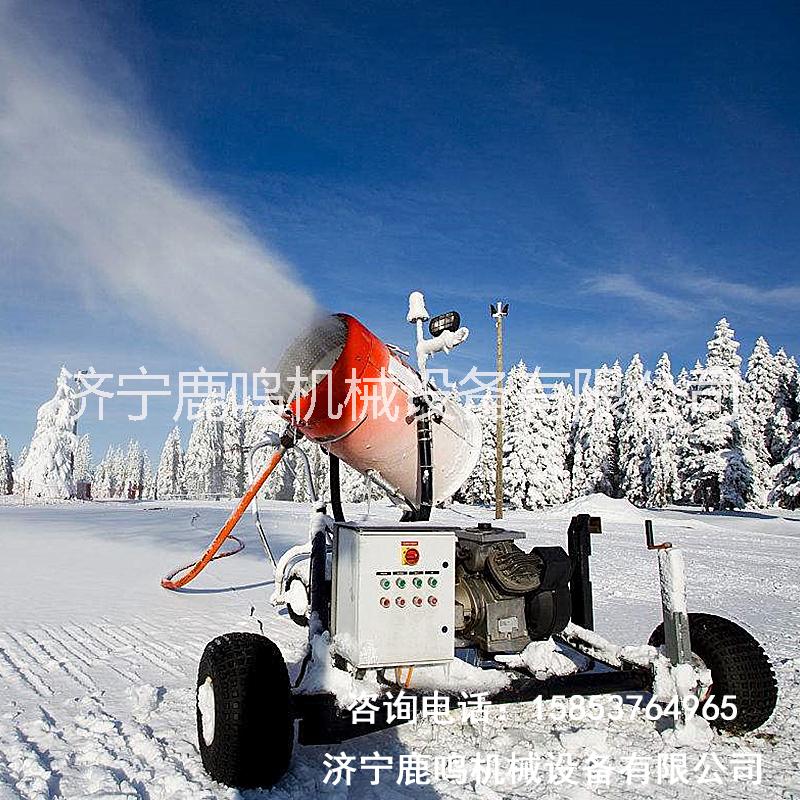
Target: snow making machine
<point>389,598</point>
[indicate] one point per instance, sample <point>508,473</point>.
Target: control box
<point>393,594</point>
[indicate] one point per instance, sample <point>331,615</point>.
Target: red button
<point>417,601</point>
<point>412,556</point>
<point>401,602</point>
<point>432,600</point>
<point>385,602</point>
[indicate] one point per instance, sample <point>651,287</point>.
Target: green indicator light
<point>385,583</point>
<point>401,583</point>
<point>418,582</point>
<point>433,582</point>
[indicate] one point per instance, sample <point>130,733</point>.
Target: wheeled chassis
<point>322,721</point>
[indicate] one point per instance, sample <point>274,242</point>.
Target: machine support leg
<point>579,546</point>
<point>336,488</point>
<point>320,610</point>
<point>677,641</point>
<point>424,463</point>
<point>673,603</point>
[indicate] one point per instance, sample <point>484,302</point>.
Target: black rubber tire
<point>739,667</point>
<point>254,727</point>
<point>298,619</point>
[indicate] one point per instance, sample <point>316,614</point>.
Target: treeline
<point>710,436</point>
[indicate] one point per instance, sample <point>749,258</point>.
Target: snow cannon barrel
<point>353,394</point>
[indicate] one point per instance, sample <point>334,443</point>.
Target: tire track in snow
<point>99,650</point>
<point>21,669</point>
<point>68,647</point>
<point>60,657</point>
<point>132,641</point>
<point>53,660</point>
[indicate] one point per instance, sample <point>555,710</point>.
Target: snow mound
<point>611,509</point>
<point>543,660</point>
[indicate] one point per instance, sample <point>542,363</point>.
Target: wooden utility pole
<point>498,311</point>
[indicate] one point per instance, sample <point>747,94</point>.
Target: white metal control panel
<point>393,594</point>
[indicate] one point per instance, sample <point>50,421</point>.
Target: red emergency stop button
<point>411,556</point>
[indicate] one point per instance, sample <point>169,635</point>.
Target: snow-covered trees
<point>596,449</point>
<point>133,475</point>
<point>6,468</point>
<point>204,462</point>
<point>49,464</point>
<point>718,473</point>
<point>83,459</point>
<point>543,460</point>
<point>169,475</point>
<point>633,462</point>
<point>666,431</point>
<point>234,435</point>
<point>479,487</point>
<point>779,428</point>
<point>709,436</point>
<point>518,435</point>
<point>562,411</point>
<point>786,491</point>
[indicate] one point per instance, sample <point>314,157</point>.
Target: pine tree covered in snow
<point>169,481</point>
<point>780,425</point>
<point>539,469</point>
<point>104,481</point>
<point>718,473</point>
<point>6,468</point>
<point>759,398</point>
<point>633,462</point>
<point>518,445</point>
<point>234,436</point>
<point>666,433</point>
<point>478,489</point>
<point>204,462</point>
<point>581,436</point>
<point>48,468</point>
<point>133,475</point>
<point>596,461</point>
<point>83,459</point>
<point>786,491</point>
<point>562,412</point>
<point>148,478</point>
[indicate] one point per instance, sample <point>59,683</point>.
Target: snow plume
<point>90,191</point>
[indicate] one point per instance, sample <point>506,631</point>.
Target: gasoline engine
<point>504,597</point>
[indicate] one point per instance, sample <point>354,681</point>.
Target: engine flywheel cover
<point>513,570</point>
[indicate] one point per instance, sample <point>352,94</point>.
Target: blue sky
<point>623,174</point>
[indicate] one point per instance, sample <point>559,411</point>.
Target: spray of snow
<point>90,191</point>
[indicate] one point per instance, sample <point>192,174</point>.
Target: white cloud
<point>690,292</point>
<point>619,284</point>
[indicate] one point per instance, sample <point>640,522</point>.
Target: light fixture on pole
<point>499,310</point>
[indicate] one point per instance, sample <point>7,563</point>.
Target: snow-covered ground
<point>97,662</point>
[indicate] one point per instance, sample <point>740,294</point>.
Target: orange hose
<point>211,553</point>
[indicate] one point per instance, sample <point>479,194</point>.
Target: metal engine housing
<point>505,597</point>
